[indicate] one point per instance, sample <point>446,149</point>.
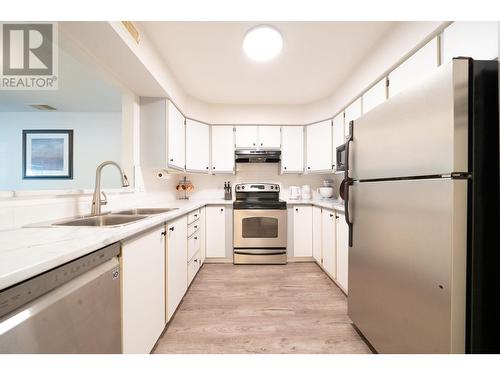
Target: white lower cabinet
<point>342,235</point>
<point>215,231</point>
<point>316,238</point>
<point>193,267</point>
<point>203,235</point>
<point>302,231</point>
<point>328,242</point>
<point>143,290</point>
<point>176,263</point>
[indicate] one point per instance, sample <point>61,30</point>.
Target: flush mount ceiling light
<point>262,43</point>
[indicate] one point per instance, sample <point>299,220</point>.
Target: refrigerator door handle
<point>348,182</point>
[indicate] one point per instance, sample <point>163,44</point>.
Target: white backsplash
<point>22,211</point>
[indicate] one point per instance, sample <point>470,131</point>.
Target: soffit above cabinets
<point>208,62</point>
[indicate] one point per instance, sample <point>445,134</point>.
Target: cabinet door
<point>353,112</point>
<point>215,231</point>
<point>176,263</point>
<point>342,234</point>
<point>413,70</point>
<point>222,149</point>
<point>197,146</point>
<point>176,137</point>
<point>246,136</point>
<point>143,284</point>
<point>328,242</point>
<point>319,146</point>
<point>292,149</point>
<point>269,136</point>
<point>302,231</point>
<point>203,235</point>
<point>316,228</point>
<point>338,134</point>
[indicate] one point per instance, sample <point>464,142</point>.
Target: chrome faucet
<point>97,202</point>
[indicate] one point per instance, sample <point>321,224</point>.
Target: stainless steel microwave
<point>341,157</point>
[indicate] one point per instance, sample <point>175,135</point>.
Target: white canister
<point>306,192</point>
<point>294,192</point>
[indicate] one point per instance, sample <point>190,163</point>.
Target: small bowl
<point>326,191</point>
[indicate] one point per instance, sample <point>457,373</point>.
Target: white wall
<point>96,137</point>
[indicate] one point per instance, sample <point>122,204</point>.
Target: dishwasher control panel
<point>20,294</point>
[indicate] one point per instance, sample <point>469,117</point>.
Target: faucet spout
<point>96,200</point>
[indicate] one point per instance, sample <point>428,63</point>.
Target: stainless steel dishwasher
<point>74,308</point>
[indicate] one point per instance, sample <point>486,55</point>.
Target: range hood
<point>257,156</point>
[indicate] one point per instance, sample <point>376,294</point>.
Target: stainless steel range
<point>260,227</point>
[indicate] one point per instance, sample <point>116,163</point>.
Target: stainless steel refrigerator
<point>422,207</point>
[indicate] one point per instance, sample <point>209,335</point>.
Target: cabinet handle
<point>331,215</point>
<point>195,215</point>
<point>196,260</point>
<point>164,233</point>
<point>254,143</point>
<point>336,217</point>
<point>213,167</point>
<point>284,168</point>
<point>262,144</point>
<point>221,210</point>
<point>196,238</point>
<point>308,167</point>
<point>206,167</point>
<point>296,210</point>
<point>171,159</point>
<point>196,226</point>
<point>171,228</point>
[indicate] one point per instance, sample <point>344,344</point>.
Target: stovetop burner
<point>258,196</point>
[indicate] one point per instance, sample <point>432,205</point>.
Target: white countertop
<point>332,204</point>
<point>27,252</point>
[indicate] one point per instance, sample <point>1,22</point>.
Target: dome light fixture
<point>262,43</point>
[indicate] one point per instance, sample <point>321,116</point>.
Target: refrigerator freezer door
<point>407,270</point>
<point>421,131</point>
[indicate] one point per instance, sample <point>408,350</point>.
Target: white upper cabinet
<point>269,136</point>
<point>375,96</point>
<point>292,149</point>
<point>197,146</point>
<point>353,112</point>
<point>478,40</point>
<point>319,146</point>
<point>176,137</point>
<point>409,73</point>
<point>338,132</point>
<point>222,149</point>
<point>246,136</point>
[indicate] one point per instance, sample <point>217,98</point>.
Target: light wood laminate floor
<point>294,308</point>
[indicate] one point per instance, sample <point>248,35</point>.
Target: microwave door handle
<point>348,182</point>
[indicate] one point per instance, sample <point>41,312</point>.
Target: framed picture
<point>47,154</point>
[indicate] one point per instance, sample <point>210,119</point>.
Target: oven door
<point>260,228</point>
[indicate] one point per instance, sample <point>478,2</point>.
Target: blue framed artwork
<point>47,154</point>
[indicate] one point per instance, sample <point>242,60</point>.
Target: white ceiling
<point>207,59</point>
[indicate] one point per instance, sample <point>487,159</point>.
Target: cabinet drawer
<point>193,227</point>
<point>193,216</point>
<point>193,245</point>
<point>193,267</point>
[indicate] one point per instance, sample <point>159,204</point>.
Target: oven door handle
<point>276,252</point>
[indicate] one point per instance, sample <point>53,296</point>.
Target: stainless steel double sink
<point>112,219</point>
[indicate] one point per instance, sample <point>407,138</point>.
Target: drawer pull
<point>196,238</point>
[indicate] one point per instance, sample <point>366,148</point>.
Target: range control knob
<point>243,187</point>
<point>272,187</point>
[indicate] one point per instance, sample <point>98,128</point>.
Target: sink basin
<point>108,220</point>
<point>144,211</point>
